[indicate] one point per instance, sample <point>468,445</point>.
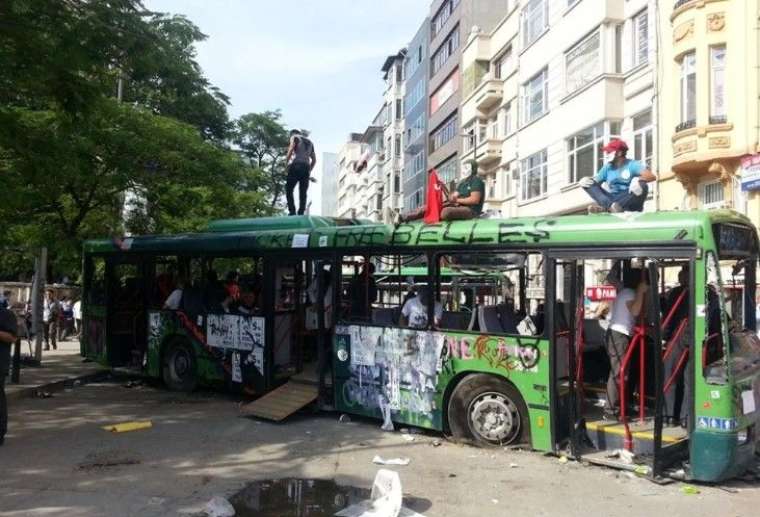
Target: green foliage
<point>103,103</point>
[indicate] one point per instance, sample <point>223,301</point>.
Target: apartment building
<point>450,23</point>
<point>351,184</point>
<point>710,132</point>
<point>373,166</point>
<point>393,135</point>
<point>329,184</point>
<point>417,73</point>
<point>546,88</point>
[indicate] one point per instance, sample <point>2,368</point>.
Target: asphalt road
<point>58,461</point>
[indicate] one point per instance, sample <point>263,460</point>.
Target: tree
<point>263,139</point>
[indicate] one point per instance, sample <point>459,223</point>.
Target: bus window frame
<point>523,282</point>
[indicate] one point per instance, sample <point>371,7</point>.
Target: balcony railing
<point>688,124</point>
<point>722,119</point>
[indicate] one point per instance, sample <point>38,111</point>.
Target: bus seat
<point>383,316</point>
<point>455,320</point>
<point>473,325</point>
<point>488,319</point>
<point>508,318</point>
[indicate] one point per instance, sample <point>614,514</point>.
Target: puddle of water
<point>294,497</point>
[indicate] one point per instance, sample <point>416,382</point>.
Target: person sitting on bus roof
<point>627,306</point>
<point>174,300</point>
<point>414,313</point>
<point>465,203</point>
<point>627,181</point>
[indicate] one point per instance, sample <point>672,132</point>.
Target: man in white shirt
<point>77,311</point>
<point>174,301</point>
<point>51,311</point>
<point>414,313</point>
<point>625,309</point>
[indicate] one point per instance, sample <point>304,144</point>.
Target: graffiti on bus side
<point>507,232</point>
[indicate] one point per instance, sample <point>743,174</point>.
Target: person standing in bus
<point>626,181</point>
<point>414,313</point>
<point>301,160</point>
<point>8,336</point>
<point>680,313</point>
<point>628,305</point>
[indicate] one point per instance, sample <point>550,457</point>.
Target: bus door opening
<point>624,324</point>
<point>127,316</point>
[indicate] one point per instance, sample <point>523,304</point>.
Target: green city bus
<point>508,353</point>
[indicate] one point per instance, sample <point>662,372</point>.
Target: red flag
<point>433,199</point>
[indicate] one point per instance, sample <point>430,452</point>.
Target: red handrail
<point>636,341</point>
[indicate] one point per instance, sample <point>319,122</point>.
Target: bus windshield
<point>732,316</point>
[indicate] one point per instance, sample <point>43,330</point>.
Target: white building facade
<point>544,90</point>
<point>393,136</point>
<point>351,184</point>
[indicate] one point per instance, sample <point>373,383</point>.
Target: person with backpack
<point>301,160</point>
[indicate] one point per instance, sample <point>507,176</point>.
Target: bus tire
<point>486,410</point>
<point>179,367</point>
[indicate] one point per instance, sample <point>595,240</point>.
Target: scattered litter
<point>404,430</point>
<point>514,465</point>
<point>690,490</point>
<point>108,463</point>
<point>127,427</point>
<point>156,501</point>
<point>219,507</point>
<point>436,443</point>
<point>308,432</point>
<point>625,456</point>
<point>407,437</point>
<point>452,475</point>
<point>563,459</point>
<point>600,403</point>
<point>385,498</point>
<point>344,419</point>
<point>641,471</point>
<point>377,460</point>
<point>109,458</point>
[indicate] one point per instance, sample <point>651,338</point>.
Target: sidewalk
<point>59,367</point>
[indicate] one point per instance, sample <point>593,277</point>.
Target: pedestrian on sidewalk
<point>301,160</point>
<point>626,181</point>
<point>77,311</point>
<point>8,336</point>
<point>51,311</point>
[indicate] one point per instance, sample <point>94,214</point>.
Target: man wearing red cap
<point>626,181</point>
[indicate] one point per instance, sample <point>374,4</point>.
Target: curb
<point>56,386</point>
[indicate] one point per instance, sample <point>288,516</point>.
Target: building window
<point>718,84</point>
<point>445,133</point>
<point>584,150</point>
<point>442,16</point>
<point>502,65</point>
<point>535,20</point>
<point>640,38</point>
<point>506,127</point>
<point>618,48</point>
<point>447,171</point>
<point>506,182</point>
<point>533,176</point>
<point>583,63</point>
<point>399,73</point>
<point>397,146</point>
<point>642,138</point>
<point>414,96</point>
<point>491,188</point>
<point>535,96</point>
<point>711,195</point>
<point>445,51</point>
<point>688,89</point>
<point>399,110</point>
<point>469,139</point>
<point>445,91</point>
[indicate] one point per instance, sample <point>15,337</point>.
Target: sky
<point>316,60</point>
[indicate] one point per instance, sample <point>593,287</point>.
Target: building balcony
<point>695,146</point>
<point>486,153</point>
<point>488,94</point>
<point>688,124</point>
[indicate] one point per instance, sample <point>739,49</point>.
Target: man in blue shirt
<point>626,181</point>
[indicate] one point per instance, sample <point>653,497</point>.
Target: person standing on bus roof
<point>301,160</point>
<point>628,305</point>
<point>8,336</point>
<point>626,180</point>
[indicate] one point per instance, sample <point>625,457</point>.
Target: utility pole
<point>38,287</point>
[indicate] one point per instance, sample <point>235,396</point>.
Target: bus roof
<point>281,233</point>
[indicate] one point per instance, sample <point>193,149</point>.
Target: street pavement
<point>57,460</point>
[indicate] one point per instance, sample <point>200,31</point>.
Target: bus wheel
<point>488,411</point>
<point>179,367</point>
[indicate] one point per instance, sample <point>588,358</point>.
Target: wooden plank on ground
<point>282,402</point>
